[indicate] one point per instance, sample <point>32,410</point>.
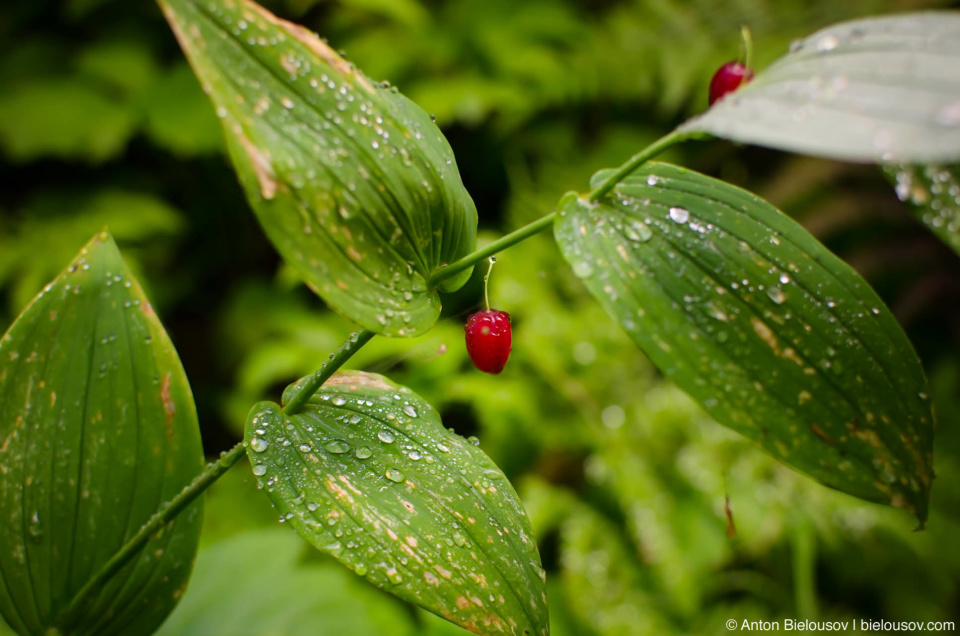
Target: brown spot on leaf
<point>261,165</point>
<point>731,528</point>
<point>822,434</point>
<point>357,379</point>
<point>765,334</point>
<point>169,407</point>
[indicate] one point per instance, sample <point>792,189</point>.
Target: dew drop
<point>386,436</point>
<point>363,452</point>
<point>337,447</point>
<point>259,444</point>
<point>259,470</point>
<point>338,400</point>
<point>409,410</point>
<point>679,215</point>
<point>394,475</point>
<point>776,295</point>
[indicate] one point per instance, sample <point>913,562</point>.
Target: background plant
<point>604,490</point>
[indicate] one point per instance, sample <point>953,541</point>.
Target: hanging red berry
<point>727,79</point>
<point>488,334</point>
<point>733,75</point>
<point>489,339</point>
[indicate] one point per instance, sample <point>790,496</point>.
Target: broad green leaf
<point>97,429</point>
<point>876,89</point>
<point>933,192</point>
<point>773,335</point>
<point>352,182</point>
<point>368,474</point>
<point>283,594</point>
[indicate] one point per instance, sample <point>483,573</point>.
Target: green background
<point>103,124</point>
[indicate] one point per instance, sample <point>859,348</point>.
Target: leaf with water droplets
<point>414,508</point>
<point>97,429</point>
<point>352,182</point>
<point>879,89</point>
<point>775,336</point>
<point>933,192</point>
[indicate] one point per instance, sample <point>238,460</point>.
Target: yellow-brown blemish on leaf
<point>357,379</point>
<point>342,285</point>
<point>792,356</point>
<point>288,64</point>
<point>315,44</point>
<point>353,253</point>
<point>765,334</point>
<point>169,407</point>
<point>463,602</point>
<point>337,491</point>
<point>822,434</point>
<point>260,162</point>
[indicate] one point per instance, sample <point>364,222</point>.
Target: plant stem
<point>500,244</point>
<point>315,381</point>
<point>746,42</point>
<point>637,160</point>
<point>201,482</point>
<point>154,526</point>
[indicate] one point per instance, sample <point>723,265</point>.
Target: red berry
<point>727,79</point>
<point>488,339</point>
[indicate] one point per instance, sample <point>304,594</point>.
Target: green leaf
<point>352,182</point>
<point>877,89</point>
<point>283,594</point>
<point>368,474</point>
<point>933,193</point>
<point>97,429</point>
<point>771,333</point>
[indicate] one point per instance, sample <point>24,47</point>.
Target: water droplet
<point>443,448</point>
<point>363,452</point>
<point>259,469</point>
<point>394,475</point>
<point>679,215</point>
<point>305,448</point>
<point>386,436</point>
<point>827,43</point>
<point>409,410</point>
<point>259,445</point>
<point>638,232</point>
<point>473,440</point>
<point>776,295</point>
<point>582,269</point>
<point>652,180</point>
<point>337,447</point>
<point>35,529</point>
<point>338,400</point>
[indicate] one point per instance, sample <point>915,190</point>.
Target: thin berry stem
<point>638,160</point>
<point>499,245</point>
<point>486,282</point>
<point>746,46</point>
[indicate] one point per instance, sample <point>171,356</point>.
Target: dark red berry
<point>727,79</point>
<point>488,339</point>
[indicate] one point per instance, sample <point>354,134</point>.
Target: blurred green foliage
<point>102,123</point>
